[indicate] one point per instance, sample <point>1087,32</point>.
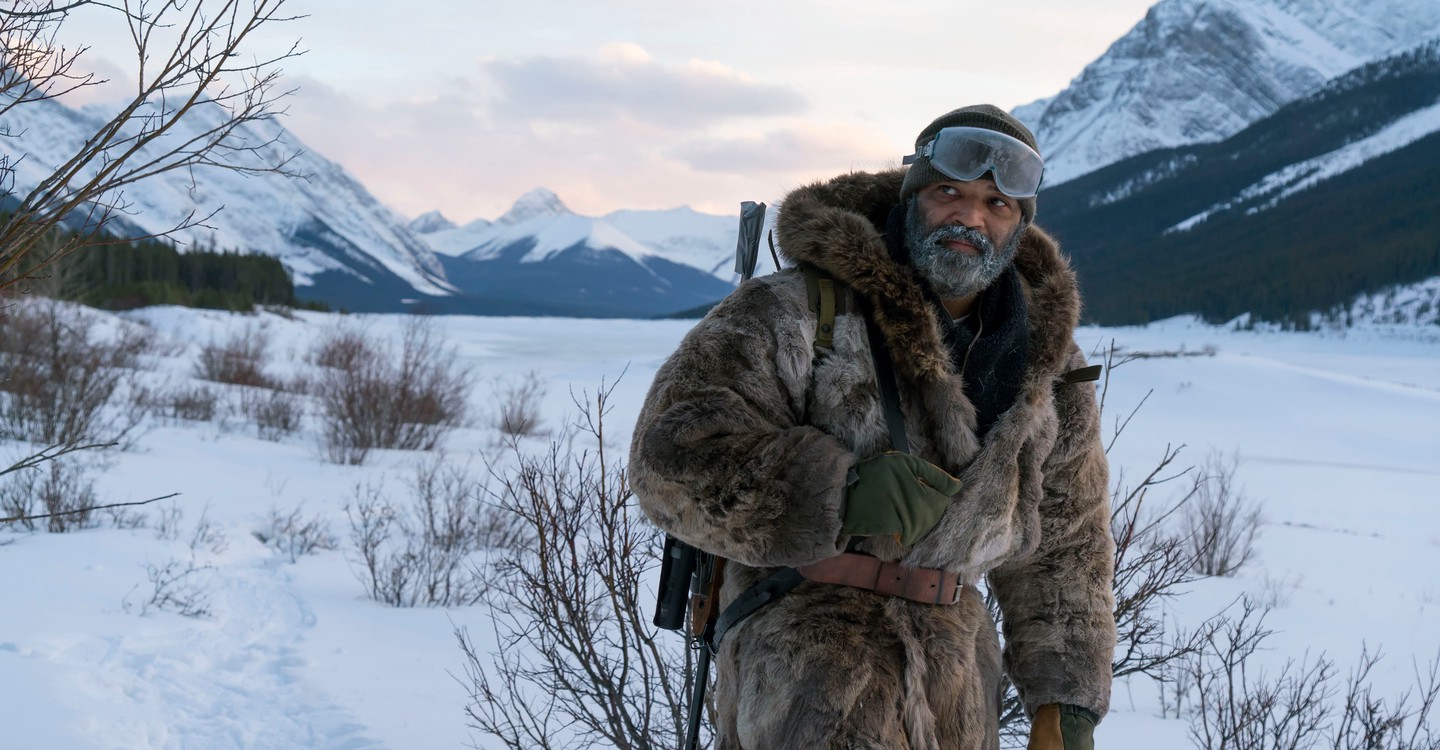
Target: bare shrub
<point>167,522</point>
<point>240,360</point>
<point>419,553</point>
<point>193,403</point>
<point>174,586</point>
<point>1222,522</point>
<point>1234,704</point>
<point>121,518</point>
<point>1237,708</point>
<point>62,385</point>
<point>292,535</point>
<point>339,349</point>
<point>1276,592</point>
<point>59,488</point>
<point>207,536</point>
<point>579,664</point>
<point>374,397</point>
<point>517,404</point>
<point>1405,723</point>
<point>275,414</point>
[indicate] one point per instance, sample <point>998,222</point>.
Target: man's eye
<point>999,203</point>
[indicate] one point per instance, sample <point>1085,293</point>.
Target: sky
<point>464,106</point>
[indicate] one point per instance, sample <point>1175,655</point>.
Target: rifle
<point>691,576</point>
<point>687,573</point>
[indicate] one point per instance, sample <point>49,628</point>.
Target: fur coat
<point>742,449</point>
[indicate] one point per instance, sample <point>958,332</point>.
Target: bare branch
<point>53,452</point>
<point>87,509</point>
<point>192,68</point>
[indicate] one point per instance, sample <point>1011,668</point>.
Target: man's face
<point>962,234</point>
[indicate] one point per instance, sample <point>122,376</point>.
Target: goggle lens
<point>964,153</point>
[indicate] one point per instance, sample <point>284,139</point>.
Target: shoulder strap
<point>1082,375</point>
<point>889,392</point>
<point>828,298</point>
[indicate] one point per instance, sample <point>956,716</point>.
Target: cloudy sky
<point>463,106</point>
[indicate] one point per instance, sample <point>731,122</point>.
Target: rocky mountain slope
<point>1334,196</point>
<point>1199,71</point>
<point>327,229</point>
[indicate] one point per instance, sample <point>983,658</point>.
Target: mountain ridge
<point>1198,71</point>
<point>1269,221</point>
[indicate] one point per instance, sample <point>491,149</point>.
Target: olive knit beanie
<point>976,116</point>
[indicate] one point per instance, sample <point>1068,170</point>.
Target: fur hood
<point>834,226</point>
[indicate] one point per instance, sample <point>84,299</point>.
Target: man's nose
<point>967,212</point>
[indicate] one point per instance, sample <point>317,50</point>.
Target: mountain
<point>455,240</point>
<point>1333,196</point>
<point>1199,71</point>
<point>686,236</point>
<point>540,258</point>
<point>340,243</point>
<point>429,222</point>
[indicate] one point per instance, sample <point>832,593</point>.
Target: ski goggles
<point>963,153</point>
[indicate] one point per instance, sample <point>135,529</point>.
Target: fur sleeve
<point>1058,604</point>
<point>719,458</point>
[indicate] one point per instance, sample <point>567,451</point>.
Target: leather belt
<point>861,571</point>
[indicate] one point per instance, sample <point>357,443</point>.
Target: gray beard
<point>954,274</point>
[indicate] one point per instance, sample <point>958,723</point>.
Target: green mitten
<point>1062,727</point>
<point>897,494</point>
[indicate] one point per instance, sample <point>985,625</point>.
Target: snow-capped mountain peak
<point>539,202</point>
<point>430,221</point>
<point>1199,71</point>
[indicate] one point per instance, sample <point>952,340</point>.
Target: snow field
<point>1335,434</point>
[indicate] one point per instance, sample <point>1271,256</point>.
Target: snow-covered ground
<point>1337,434</point>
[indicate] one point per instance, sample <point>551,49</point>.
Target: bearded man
<point>855,546</point>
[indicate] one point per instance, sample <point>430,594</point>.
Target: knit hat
<point>976,116</point>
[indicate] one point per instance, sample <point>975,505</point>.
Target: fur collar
<point>833,225</point>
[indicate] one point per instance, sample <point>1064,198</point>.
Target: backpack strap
<point>828,298</point>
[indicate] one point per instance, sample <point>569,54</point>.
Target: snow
<point>1300,176</point>
<point>458,240</point>
<point>549,235</point>
<point>1335,434</point>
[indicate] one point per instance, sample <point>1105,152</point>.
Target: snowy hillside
<point>1416,305</point>
<point>1196,71</point>
<point>1335,437</point>
<point>324,225</point>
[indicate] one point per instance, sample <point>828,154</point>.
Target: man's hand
<point>896,494</point>
<point>1058,727</point>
